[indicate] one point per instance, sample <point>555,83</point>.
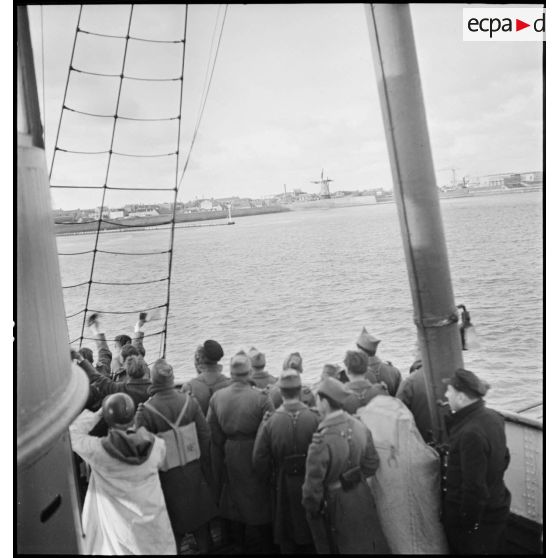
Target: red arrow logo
<point>519,25</point>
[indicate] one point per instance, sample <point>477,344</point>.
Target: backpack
<point>181,441</point>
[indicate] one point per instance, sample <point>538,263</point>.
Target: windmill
<point>324,185</point>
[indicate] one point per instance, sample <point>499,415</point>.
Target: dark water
<point>309,280</point>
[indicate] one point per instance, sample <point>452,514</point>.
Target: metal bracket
<point>438,321</point>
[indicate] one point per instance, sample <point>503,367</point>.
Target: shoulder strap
<point>175,424</point>
<point>183,412</point>
<point>294,418</point>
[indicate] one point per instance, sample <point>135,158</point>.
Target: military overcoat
<point>188,496</point>
<point>287,432</point>
<point>341,443</point>
<point>234,416</point>
<point>380,371</point>
<point>206,384</point>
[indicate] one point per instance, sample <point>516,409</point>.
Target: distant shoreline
<point>162,221</point>
<point>478,193</point>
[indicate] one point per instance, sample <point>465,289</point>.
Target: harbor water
<point>309,280</point>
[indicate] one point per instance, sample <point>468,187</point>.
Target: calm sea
<point>308,281</point>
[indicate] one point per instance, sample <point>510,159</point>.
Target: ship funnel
<point>49,392</point>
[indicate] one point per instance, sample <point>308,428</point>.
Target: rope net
<point>113,136</point>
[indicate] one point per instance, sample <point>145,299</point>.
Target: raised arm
<point>84,445</point>
<point>104,355</point>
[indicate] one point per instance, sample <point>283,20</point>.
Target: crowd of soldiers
<point>266,455</point>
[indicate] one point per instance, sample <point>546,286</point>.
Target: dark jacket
<point>234,416</point>
<point>478,457</point>
<point>412,392</point>
<point>286,432</point>
<point>362,392</point>
<point>102,386</point>
<point>383,371</point>
<point>186,489</point>
<point>135,388</point>
<point>206,384</point>
<point>117,370</point>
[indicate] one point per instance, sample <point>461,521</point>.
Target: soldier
<point>261,377</point>
<point>186,484</point>
<point>412,391</point>
<point>339,504</point>
<point>211,378</point>
<point>280,456</point>
<point>378,370</point>
<point>476,500</point>
<point>361,390</point>
<point>234,416</point>
<point>294,362</point>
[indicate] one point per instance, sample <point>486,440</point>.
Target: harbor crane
<point>452,169</point>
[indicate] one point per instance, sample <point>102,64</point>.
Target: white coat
<point>124,510</point>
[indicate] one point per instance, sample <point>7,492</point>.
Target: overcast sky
<point>294,91</point>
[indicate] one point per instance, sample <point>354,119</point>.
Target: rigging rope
<point>194,136</point>
<point>112,154</point>
<point>115,153</point>
<point>176,184</point>
<point>43,72</point>
<point>117,116</point>
<point>123,76</point>
<point>128,36</point>
<point>106,186</point>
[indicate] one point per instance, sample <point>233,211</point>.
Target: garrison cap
<point>241,365</point>
<point>467,382</point>
<point>289,379</point>
<point>162,374</point>
<point>367,342</point>
<point>334,389</point>
<point>257,358</point>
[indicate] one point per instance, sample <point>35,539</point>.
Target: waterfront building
<point>102,212</point>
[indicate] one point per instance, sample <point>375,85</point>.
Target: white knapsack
<point>181,441</point>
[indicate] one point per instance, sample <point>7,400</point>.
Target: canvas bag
<point>181,441</point>
<point>406,486</point>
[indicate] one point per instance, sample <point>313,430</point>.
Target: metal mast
<point>416,196</point>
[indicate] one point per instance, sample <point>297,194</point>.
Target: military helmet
<point>118,408</point>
